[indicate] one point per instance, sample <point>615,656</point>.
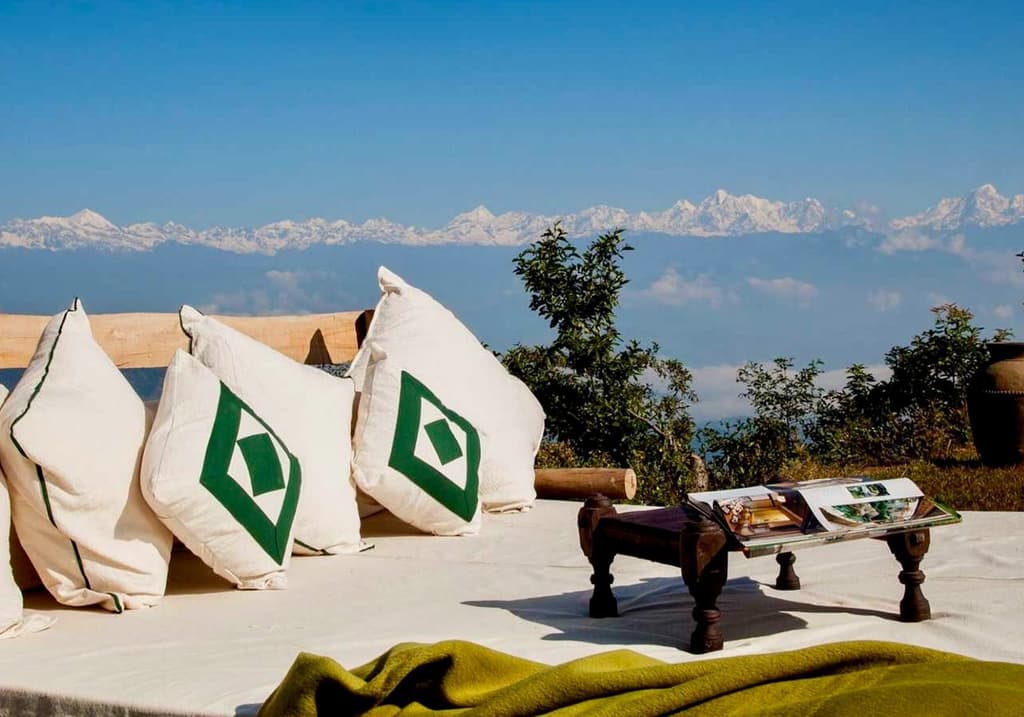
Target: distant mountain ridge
<point>720,214</point>
<point>983,207</point>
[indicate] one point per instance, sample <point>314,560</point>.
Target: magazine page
<point>861,502</point>
<point>761,516</point>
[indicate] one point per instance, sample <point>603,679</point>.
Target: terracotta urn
<point>995,402</point>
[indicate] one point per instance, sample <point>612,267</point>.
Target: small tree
<point>927,392</point>
<point>598,390</point>
<point>854,424</point>
<point>759,448</point>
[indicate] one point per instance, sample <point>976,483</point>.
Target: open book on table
<point>784,516</point>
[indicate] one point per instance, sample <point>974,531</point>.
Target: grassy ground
<point>960,482</point>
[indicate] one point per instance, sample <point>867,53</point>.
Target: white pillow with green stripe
<point>312,412</point>
<point>71,438</point>
<point>221,478</point>
<point>10,593</point>
<point>426,339</point>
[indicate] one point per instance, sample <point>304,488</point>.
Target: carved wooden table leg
<point>705,562</point>
<point>602,602</point>
<point>909,548</point>
<point>787,578</point>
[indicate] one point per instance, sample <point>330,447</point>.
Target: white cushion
<point>309,409</point>
<point>417,334</point>
<point>415,454</point>
<point>10,593</point>
<point>221,478</point>
<point>71,438</point>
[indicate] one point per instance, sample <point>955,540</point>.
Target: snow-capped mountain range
<point>984,207</point>
<point>721,214</point>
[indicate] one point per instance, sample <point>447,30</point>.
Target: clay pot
<point>995,402</point>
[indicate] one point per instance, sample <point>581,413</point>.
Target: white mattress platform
<point>521,586</point>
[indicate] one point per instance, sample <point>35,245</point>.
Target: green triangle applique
<point>260,456</point>
<point>458,490</point>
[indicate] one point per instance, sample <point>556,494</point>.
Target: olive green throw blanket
<point>464,679</point>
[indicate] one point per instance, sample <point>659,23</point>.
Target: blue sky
<point>244,113</point>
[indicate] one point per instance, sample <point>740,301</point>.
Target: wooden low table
<point>699,547</point>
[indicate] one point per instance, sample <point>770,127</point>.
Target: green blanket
<point>462,678</point>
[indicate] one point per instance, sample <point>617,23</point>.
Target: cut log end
<point>581,483</point>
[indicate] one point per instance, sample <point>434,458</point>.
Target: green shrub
<point>596,388</point>
<point>918,413</point>
<point>757,449</point>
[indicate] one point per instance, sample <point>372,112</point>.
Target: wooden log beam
<point>150,340</point>
<point>581,483</point>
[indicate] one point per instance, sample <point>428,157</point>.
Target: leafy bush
<point>919,412</point>
<point>596,388</point>
<point>757,449</point>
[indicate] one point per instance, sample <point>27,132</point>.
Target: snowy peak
<point>91,219</point>
<point>982,207</point>
<point>481,214</point>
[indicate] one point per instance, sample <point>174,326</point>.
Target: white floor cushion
<point>10,593</point>
<point>417,333</point>
<point>221,478</point>
<point>71,438</point>
<point>415,454</point>
<point>312,412</point>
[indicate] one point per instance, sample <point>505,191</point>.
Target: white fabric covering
<point>71,437</point>
<point>10,594</point>
<point>203,484</point>
<point>521,586</point>
<point>312,412</point>
<point>419,335</point>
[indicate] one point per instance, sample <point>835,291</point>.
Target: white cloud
<point>884,300</point>
<point>718,391</point>
<point>240,303</point>
<point>672,289</point>
<point>785,286</point>
<point>284,292</point>
<point>835,379</point>
<point>287,280</point>
<point>1003,311</point>
<point>908,240</point>
<point>958,245</point>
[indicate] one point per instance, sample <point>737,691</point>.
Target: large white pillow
<point>71,438</point>
<point>415,453</point>
<point>309,409</point>
<point>221,478</point>
<point>10,593</point>
<point>419,335</point>
<point>13,621</point>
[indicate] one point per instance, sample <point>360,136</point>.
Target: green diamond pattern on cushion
<point>443,441</point>
<point>265,475</point>
<point>263,464</point>
<point>462,501</point>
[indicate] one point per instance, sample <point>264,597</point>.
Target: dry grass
<point>960,482</point>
